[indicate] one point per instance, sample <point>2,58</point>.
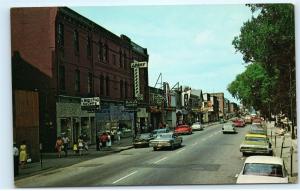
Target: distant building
<point>220,97</point>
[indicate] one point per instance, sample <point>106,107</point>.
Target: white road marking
<point>125,177</point>
<point>161,160</point>
<point>180,150</point>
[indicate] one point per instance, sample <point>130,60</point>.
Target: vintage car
<point>222,121</point>
<point>256,144</point>
<point>197,126</point>
<point>248,119</point>
<point>263,169</point>
<point>239,123</point>
<point>142,140</point>
<point>169,140</point>
<point>228,128</point>
<point>183,129</point>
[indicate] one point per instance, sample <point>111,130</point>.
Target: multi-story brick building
<point>63,57</point>
<point>220,97</point>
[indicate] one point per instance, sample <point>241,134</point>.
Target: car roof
<point>264,159</point>
<point>255,135</point>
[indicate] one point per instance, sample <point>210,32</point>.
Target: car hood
<point>249,179</point>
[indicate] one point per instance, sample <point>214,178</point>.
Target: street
<point>206,157</point>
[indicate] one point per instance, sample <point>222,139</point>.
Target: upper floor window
<point>77,80</point>
<point>60,36</point>
<point>90,83</point>
<point>62,80</point>
<point>76,41</point>
<point>121,89</point>
<point>105,53</point>
<point>89,46</point>
<point>125,61</point>
<point>101,85</point>
<point>120,59</point>
<point>114,59</point>
<point>107,86</point>
<point>100,51</point>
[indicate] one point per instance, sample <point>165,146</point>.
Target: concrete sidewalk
<point>287,148</point>
<point>50,160</point>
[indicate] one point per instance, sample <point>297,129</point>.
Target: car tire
<point>244,154</point>
<point>172,147</point>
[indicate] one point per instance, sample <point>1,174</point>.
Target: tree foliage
<point>268,39</point>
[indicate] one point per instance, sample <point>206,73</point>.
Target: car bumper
<point>256,150</point>
<point>160,145</point>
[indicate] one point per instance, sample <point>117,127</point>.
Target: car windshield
<point>165,136</point>
<point>144,136</point>
<point>159,131</point>
<point>258,131</point>
<point>261,169</point>
<point>259,139</point>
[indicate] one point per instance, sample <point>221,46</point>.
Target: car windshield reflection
<point>263,169</point>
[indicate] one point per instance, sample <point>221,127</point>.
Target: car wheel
<point>172,147</point>
<point>244,154</point>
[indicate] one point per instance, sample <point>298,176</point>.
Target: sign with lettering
<point>136,79</point>
<point>90,103</point>
<point>137,64</point>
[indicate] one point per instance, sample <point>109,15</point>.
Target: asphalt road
<point>206,157</point>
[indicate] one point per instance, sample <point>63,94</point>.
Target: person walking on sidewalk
<point>119,135</point>
<point>16,160</point>
<point>58,146</point>
<point>103,139</point>
<point>23,154</point>
<point>80,145</point>
<point>108,140</point>
<point>66,141</point>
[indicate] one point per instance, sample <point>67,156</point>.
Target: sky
<point>189,44</point>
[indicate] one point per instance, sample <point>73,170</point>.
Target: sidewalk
<point>287,148</point>
<point>50,160</point>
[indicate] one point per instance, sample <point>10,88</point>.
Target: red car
<point>183,129</point>
<point>239,123</point>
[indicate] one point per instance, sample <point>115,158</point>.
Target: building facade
<point>65,57</point>
<point>220,97</point>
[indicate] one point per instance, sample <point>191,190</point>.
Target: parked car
<point>263,169</point>
<point>248,119</point>
<point>170,140</point>
<point>222,121</point>
<point>142,140</point>
<point>256,144</point>
<point>197,126</point>
<point>159,131</point>
<point>228,128</point>
<point>239,123</point>
<point>183,129</point>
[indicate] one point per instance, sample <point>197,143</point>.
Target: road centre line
<point>180,150</point>
<point>125,177</point>
<point>161,160</point>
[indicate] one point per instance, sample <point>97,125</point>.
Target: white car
<point>197,126</point>
<point>263,169</point>
<point>228,128</point>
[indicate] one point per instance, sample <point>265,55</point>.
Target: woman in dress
<point>23,154</point>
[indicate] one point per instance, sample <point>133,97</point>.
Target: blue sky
<point>189,44</point>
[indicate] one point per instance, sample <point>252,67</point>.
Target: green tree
<point>269,39</point>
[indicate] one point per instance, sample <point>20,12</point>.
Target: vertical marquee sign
<point>136,73</point>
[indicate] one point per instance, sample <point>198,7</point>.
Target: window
<point>62,84</point>
<point>121,89</point>
<point>107,86</point>
<point>105,53</point>
<point>114,59</point>
<point>90,83</point>
<point>60,38</point>
<point>89,47</point>
<point>120,59</point>
<point>126,89</point>
<point>100,51</point>
<point>77,80</point>
<point>125,62</point>
<point>101,85</point>
<point>76,41</point>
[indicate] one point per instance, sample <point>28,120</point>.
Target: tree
<point>269,39</point>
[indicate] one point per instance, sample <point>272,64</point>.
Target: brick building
<point>220,98</point>
<point>63,57</point>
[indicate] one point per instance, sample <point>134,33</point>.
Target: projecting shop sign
<point>136,73</point>
<point>137,64</point>
<point>90,103</point>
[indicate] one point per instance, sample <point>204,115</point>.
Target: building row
<point>71,76</point>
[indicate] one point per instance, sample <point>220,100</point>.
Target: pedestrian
<point>75,148</point>
<point>16,160</point>
<point>59,146</point>
<point>80,145</point>
<point>66,141</point>
<point>23,154</point>
<point>119,135</point>
<point>108,140</point>
<point>103,140</point>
